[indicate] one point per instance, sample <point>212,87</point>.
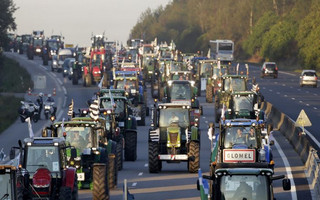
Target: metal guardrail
<point>300,144</point>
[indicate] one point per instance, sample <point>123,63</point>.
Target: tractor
<point>10,187</point>
<point>94,165</point>
<point>50,48</point>
<point>95,68</point>
<point>172,138</point>
<point>121,111</point>
<point>46,174</point>
<point>137,96</point>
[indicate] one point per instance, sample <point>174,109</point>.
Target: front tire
<point>130,153</point>
<point>119,152</point>
<point>194,151</point>
<point>154,162</point>
<point>100,182</point>
<point>209,94</point>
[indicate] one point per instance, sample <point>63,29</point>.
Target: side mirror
<point>73,153</point>
<point>12,154</point>
<point>286,184</point>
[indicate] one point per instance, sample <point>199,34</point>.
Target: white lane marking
<point>64,102</point>
<point>278,92</point>
<point>291,87</point>
<point>287,73</point>
<point>288,170</point>
<point>307,92</point>
<point>53,74</point>
<point>264,88</point>
<point>293,98</point>
<point>307,104</point>
<point>315,108</point>
<point>299,90</point>
<point>270,90</point>
<point>203,117</point>
<point>146,165</point>
<point>283,85</point>
<point>59,81</point>
<point>315,94</point>
<point>64,90</point>
<point>285,95</point>
<point>140,174</point>
<point>60,115</point>
<point>206,122</point>
<point>43,67</point>
<point>134,184</point>
<point>300,101</point>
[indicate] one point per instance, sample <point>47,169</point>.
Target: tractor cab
<point>8,182</point>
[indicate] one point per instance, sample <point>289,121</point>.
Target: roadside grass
<point>9,106</point>
<point>13,79</point>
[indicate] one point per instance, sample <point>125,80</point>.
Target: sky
<point>77,20</point>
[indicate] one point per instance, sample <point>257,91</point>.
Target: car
<point>269,69</point>
<point>308,77</point>
<point>54,64</point>
<point>67,66</point>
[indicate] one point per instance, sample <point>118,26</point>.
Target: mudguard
<point>69,177</point>
<point>194,133</point>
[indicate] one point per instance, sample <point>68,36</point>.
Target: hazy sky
<point>78,19</point>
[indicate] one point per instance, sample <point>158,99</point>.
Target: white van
<point>62,55</point>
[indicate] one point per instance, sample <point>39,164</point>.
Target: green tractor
<point>95,161</point>
<point>172,138</point>
<point>229,84</point>
<point>126,122</point>
<point>148,66</point>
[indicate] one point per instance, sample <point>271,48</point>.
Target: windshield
<point>5,186</point>
<point>37,42</point>
<point>174,116</point>
<point>79,137</point>
<point>225,46</point>
<point>126,84</point>
<point>243,103</point>
<point>63,57</point>
<point>181,91</point>
<point>240,135</point>
<point>235,84</point>
<point>42,156</point>
<point>206,69</point>
<point>239,187</point>
<point>53,44</point>
<point>107,104</point>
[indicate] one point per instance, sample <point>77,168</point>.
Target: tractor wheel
<point>142,122</point>
<point>100,189</point>
<point>75,189</point>
<point>130,149</point>
<point>112,171</point>
<point>65,193</point>
<point>154,162</point>
<point>35,118</point>
<point>119,153</point>
<point>209,94</point>
<point>75,77</point>
<point>217,116</point>
<point>194,151</point>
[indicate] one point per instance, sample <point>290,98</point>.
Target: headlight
<point>133,91</point>
<point>47,107</point>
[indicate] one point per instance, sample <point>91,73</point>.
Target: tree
<point>7,22</point>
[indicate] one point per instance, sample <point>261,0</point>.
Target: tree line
<point>285,31</point>
<point>7,21</point>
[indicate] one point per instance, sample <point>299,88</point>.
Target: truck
<point>172,138</point>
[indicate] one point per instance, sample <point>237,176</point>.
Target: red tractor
<point>94,70</point>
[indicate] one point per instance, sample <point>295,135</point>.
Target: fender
<point>69,177</point>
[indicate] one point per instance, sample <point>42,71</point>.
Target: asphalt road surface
<point>174,182</point>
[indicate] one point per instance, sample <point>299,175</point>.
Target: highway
<point>174,182</point>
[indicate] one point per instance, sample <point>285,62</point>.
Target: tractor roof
<point>46,141</point>
<point>104,92</point>
<point>241,122</point>
<point>185,104</point>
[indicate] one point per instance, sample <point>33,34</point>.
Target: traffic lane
<point>19,130</point>
<point>296,168</point>
<point>174,181</point>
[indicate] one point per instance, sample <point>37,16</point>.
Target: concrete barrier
<point>299,142</point>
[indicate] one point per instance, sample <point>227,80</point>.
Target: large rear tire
<point>194,151</point>
<point>100,182</point>
<point>112,173</point>
<point>130,153</point>
<point>119,152</point>
<point>154,165</point>
<point>209,94</point>
<point>75,195</point>
<point>142,122</point>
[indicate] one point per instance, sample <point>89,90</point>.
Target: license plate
<point>80,176</point>
<point>121,124</point>
<point>138,118</point>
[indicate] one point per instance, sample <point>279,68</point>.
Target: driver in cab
<point>174,118</point>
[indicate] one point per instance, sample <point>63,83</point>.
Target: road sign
<point>303,119</point>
